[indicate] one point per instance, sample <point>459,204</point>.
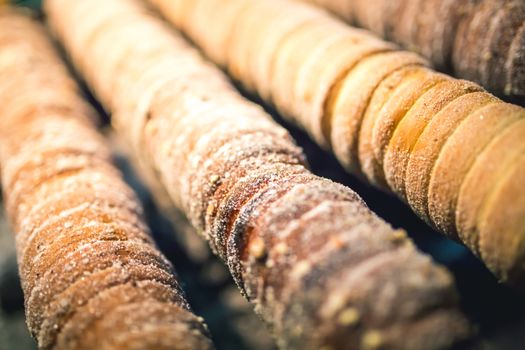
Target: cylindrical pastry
<point>385,115</point>
<point>320,268</point>
<point>91,275</point>
<point>480,40</point>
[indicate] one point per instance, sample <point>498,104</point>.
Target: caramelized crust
<point>79,228</point>
<point>479,40</point>
<point>386,116</point>
<point>304,250</point>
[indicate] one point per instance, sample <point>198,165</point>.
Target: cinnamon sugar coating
<point>479,40</point>
<point>386,116</point>
<point>310,256</point>
<point>80,233</point>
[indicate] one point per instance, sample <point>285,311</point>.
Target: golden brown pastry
<point>385,115</point>
<point>91,275</point>
<point>480,40</point>
<point>307,253</point>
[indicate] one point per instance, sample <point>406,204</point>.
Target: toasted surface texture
<point>306,252</point>
<point>79,229</point>
<point>386,116</point>
<point>479,40</point>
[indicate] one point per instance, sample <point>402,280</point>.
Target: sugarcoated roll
<point>479,40</point>
<point>91,274</point>
<point>304,250</point>
<point>386,115</point>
